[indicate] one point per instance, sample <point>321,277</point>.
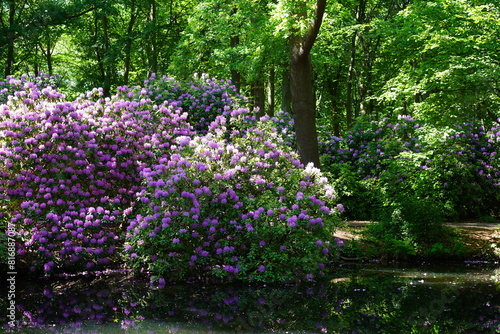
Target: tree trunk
<point>272,92</point>
<point>259,97</point>
<point>303,104</point>
<point>333,85</point>
<point>235,74</point>
<point>98,50</point>
<point>301,86</point>
<point>350,77</point>
<point>286,98</point>
<point>353,105</point>
<point>9,62</point>
<point>48,56</point>
<point>107,64</point>
<point>153,52</point>
<point>128,45</point>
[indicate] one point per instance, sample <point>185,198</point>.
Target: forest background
<point>437,61</point>
<point>406,92</point>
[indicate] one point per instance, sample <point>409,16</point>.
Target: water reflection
<point>389,300</point>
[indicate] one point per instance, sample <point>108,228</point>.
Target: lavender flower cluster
<point>86,179</point>
<point>69,170</point>
<point>22,87</point>
<point>203,98</point>
<point>458,164</point>
<point>371,146</point>
<point>239,208</point>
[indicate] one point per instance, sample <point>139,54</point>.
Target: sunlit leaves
<point>449,69</point>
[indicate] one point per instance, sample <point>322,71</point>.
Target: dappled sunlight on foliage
<point>224,197</point>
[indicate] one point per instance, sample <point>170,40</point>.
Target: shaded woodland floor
<point>481,239</point>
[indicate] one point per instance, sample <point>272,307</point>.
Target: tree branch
<point>55,22</point>
<point>313,31</point>
<point>45,24</point>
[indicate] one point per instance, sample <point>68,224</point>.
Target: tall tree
<point>14,15</point>
<point>301,81</point>
<point>11,36</point>
<point>32,28</point>
<point>129,40</point>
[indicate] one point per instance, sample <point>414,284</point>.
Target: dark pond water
<point>462,298</point>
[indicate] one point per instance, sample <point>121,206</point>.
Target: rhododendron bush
<point>203,98</point>
<point>70,169</point>
<point>383,162</point>
<point>179,192</point>
<point>239,208</point>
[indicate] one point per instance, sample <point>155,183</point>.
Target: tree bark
<point>48,56</point>
<point>106,64</point>
<point>301,87</point>
<point>235,74</point>
<point>153,58</point>
<point>350,78</point>
<point>333,85</point>
<point>286,99</point>
<point>259,97</point>
<point>128,44</point>
<point>272,92</point>
<point>9,62</point>
<point>235,42</point>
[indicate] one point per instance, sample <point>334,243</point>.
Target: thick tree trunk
<point>301,86</point>
<point>259,97</point>
<point>303,103</point>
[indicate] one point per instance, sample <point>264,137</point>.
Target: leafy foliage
<point>76,175</point>
<point>70,169</point>
<point>447,73</point>
<point>238,208</point>
<point>411,177</point>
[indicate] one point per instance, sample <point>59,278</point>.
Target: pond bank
<point>480,240</point>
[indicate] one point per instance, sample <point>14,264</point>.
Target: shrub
<point>355,163</point>
<point>27,87</point>
<point>203,99</point>
<point>371,146</point>
<point>71,169</point>
<point>467,161</point>
<point>414,227</point>
<point>238,208</point>
<point>361,198</point>
<point>411,177</point>
<point>285,128</point>
<point>229,200</point>
<point>457,170</point>
<point>380,164</point>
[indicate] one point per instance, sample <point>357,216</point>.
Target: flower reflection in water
<point>386,303</point>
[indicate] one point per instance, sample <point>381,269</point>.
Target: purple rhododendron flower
<point>340,207</point>
<point>148,150</point>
